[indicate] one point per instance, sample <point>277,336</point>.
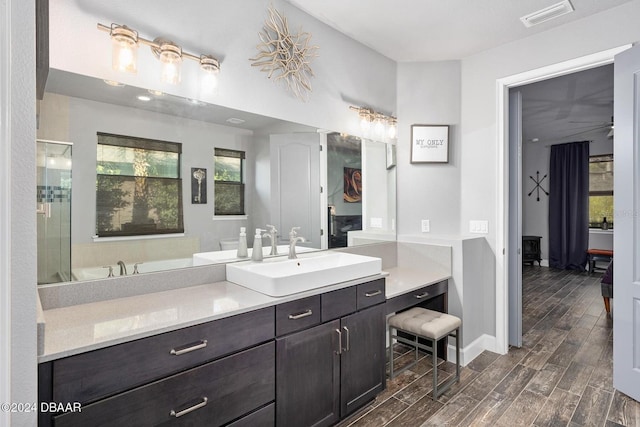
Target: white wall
<point>17,215</point>
<point>463,94</point>
<point>429,93</point>
<point>346,72</point>
<point>609,29</point>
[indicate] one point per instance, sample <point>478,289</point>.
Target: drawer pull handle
<point>347,338</point>
<point>422,295</point>
<point>202,404</point>
<point>203,344</point>
<point>339,341</point>
<point>301,315</point>
<point>373,294</point>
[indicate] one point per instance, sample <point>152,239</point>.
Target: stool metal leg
<point>434,358</point>
<point>390,353</point>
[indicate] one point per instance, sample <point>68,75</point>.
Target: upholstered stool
<point>431,326</point>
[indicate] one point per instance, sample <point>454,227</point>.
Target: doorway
<point>505,264</point>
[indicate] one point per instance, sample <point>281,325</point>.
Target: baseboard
<point>544,263</point>
<point>472,350</point>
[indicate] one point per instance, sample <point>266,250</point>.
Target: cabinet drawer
<point>296,315</point>
<point>212,394</point>
<point>416,297</point>
<point>264,417</point>
<point>93,375</point>
<point>338,303</point>
<point>370,293</point>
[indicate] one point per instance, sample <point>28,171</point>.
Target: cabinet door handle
<point>422,295</point>
<point>373,294</point>
<point>300,315</point>
<point>347,338</point>
<point>339,341</point>
<point>202,404</point>
<point>203,344</point>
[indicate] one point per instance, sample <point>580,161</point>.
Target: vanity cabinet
<point>306,362</point>
<point>208,374</point>
<point>326,372</point>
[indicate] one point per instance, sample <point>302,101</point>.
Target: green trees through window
<point>229,182</point>
<point>138,186</point>
<point>601,190</point>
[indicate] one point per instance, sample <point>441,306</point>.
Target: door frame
<point>502,129</point>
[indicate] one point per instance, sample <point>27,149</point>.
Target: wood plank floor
<point>561,376</point>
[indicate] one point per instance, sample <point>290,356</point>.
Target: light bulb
<point>210,67</point>
<point>392,130</point>
<point>124,49</point>
<point>378,128</point>
<point>171,59</point>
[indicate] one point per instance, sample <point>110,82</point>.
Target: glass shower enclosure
<point>53,207</point>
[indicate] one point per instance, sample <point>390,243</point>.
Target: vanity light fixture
<point>371,120</point>
<point>125,42</point>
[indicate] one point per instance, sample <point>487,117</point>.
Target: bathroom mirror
<point>340,190</point>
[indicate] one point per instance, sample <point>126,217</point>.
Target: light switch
<point>376,222</point>
<point>425,226</point>
<point>479,227</point>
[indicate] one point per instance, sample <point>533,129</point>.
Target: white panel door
<point>295,186</point>
<point>626,286</point>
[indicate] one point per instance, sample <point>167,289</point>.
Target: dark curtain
<point>569,205</point>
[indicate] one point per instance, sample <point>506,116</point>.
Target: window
<point>138,186</point>
<point>600,190</point>
<point>228,182</point>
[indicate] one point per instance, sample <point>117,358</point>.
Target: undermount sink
<point>280,276</point>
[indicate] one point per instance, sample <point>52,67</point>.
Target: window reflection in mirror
<point>77,108</point>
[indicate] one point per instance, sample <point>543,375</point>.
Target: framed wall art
<point>198,186</point>
<point>429,143</point>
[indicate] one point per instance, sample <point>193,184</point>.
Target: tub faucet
<point>272,234</point>
<point>293,239</point>
<point>123,268</point>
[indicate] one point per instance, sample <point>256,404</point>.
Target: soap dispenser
<point>242,243</point>
<point>256,255</point>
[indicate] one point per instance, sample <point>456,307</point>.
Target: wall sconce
<point>376,123</point>
<point>124,57</point>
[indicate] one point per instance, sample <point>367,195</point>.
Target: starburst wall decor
<point>285,55</point>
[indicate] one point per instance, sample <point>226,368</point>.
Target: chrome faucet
<point>293,239</point>
<point>273,235</point>
<point>123,268</point>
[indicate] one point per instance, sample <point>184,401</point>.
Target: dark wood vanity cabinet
<point>210,374</point>
<point>326,372</point>
<point>306,362</point>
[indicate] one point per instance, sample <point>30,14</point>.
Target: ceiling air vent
<point>548,13</point>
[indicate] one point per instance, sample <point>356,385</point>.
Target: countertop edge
<point>399,281</point>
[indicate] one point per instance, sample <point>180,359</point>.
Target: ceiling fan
<point>593,127</point>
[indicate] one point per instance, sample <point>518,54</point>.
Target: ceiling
<point>574,107</point>
<point>436,30</point>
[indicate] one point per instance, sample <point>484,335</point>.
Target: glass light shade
<point>365,122</point>
<point>171,59</point>
<point>378,127</point>
<point>392,130</point>
<point>210,68</point>
<point>124,49</point>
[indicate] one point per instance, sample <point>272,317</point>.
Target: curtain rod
<point>562,143</point>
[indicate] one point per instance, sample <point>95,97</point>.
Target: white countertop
<point>80,328</point>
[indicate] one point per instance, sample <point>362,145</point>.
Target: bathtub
<point>92,273</point>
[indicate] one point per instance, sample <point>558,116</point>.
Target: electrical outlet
<point>425,226</point>
<point>376,222</point>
